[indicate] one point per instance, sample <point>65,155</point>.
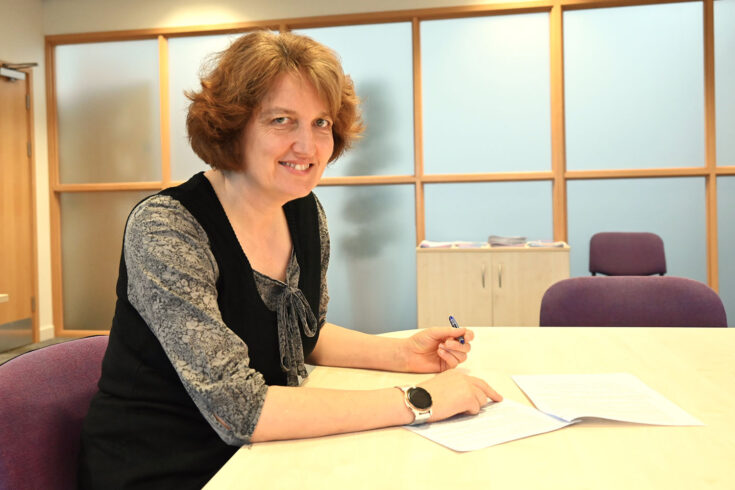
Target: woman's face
<point>288,141</point>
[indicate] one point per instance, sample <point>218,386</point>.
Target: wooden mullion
<point>109,187</point>
<point>368,180</point>
<point>636,173</point>
<point>710,149</point>
<point>487,177</point>
<point>54,196</point>
<point>593,4</point>
<point>165,110</point>
<point>418,132</point>
<point>558,138</point>
<point>153,33</point>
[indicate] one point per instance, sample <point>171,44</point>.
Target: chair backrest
<point>629,301</point>
<point>627,254</point>
<point>44,396</point>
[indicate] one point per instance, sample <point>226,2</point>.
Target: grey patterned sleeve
<point>325,249</point>
<point>171,282</point>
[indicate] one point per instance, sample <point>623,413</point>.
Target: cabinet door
<point>520,281</point>
<point>454,283</point>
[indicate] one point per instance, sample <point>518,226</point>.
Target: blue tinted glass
<point>186,56</point>
<point>486,102</point>
<point>726,241</point>
<point>92,226</point>
<point>108,106</point>
<point>378,59</point>
<point>725,80</point>
<point>674,209</point>
<point>634,87</point>
<point>473,211</point>
<point>372,270</point>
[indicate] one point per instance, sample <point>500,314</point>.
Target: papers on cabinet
<point>561,400</point>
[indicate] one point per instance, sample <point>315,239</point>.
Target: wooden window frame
<point>558,175</point>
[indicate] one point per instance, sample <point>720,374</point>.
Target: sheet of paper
<point>495,424</point>
<point>614,396</point>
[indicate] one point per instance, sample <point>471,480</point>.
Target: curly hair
<point>243,74</point>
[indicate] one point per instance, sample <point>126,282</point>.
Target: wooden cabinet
<point>500,286</point>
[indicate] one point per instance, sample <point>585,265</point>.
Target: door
<point>17,248</point>
<point>520,280</point>
<point>454,283</point>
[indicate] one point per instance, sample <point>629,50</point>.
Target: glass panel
<point>186,56</point>
<point>726,239</point>
<point>486,102</point>
<point>634,87</point>
<point>92,226</point>
<point>108,112</point>
<point>474,211</point>
<point>379,60</point>
<point>372,270</point>
<point>725,80</point>
<point>672,208</point>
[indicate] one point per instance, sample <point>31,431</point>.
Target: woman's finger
<point>448,357</point>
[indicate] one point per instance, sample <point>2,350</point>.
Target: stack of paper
<point>545,243</point>
<point>506,241</point>
<point>454,244</point>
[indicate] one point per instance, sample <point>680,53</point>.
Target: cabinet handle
<point>482,277</point>
<point>500,275</point>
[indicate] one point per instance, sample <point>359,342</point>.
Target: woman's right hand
<point>453,392</point>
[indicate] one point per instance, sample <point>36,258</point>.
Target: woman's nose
<point>305,142</point>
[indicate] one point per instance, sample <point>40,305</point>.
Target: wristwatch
<point>418,400</point>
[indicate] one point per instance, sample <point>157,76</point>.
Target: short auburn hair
<point>243,74</point>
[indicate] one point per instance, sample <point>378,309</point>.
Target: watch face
<point>419,398</point>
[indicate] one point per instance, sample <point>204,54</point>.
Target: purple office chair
<point>45,394</point>
<point>631,301</point>
<point>627,254</point>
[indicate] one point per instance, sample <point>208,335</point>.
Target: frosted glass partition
<point>92,226</point>
<point>108,112</point>
<point>486,102</point>
<point>634,87</point>
<point>372,270</point>
<point>726,239</point>
<point>725,80</point>
<point>473,211</point>
<point>672,208</point>
<point>378,58</point>
<point>187,56</point>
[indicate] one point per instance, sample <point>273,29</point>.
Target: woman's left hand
<point>434,350</point>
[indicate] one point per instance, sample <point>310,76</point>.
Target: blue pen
<point>454,324</point>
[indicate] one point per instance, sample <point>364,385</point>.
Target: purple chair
<point>627,254</point>
<point>45,395</point>
<point>631,301</point>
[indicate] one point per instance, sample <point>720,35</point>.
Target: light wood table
<point>694,368</point>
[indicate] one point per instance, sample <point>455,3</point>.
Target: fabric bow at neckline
<point>293,314</point>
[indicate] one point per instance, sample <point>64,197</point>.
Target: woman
<point>222,290</point>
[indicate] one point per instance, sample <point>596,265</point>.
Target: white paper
<point>495,424</point>
<point>614,396</point>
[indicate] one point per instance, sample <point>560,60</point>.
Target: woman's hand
<point>453,392</point>
<point>434,350</point>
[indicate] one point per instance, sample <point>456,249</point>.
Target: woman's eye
<point>323,123</point>
<point>280,120</point>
